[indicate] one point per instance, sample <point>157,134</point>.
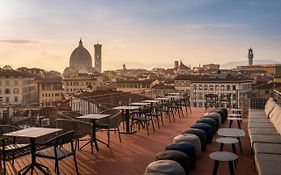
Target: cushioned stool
<point>209,121</point>
<point>222,113</point>
<point>176,156</point>
<point>168,167</point>
<point>191,138</point>
<point>207,128</point>
<point>200,133</point>
<point>215,116</point>
<point>187,148</point>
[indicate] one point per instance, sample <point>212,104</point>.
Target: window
<point>234,87</point>
<point>228,87</point>
<point>211,87</point>
<point>16,99</point>
<point>205,87</point>
<point>195,87</point>
<point>217,87</point>
<point>16,90</point>
<point>7,99</point>
<point>200,87</point>
<point>7,91</point>
<point>222,87</point>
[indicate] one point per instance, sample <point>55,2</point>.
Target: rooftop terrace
<point>136,151</point>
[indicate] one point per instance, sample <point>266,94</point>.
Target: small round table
<point>231,119</point>
<point>227,140</point>
<point>223,156</point>
<point>232,132</point>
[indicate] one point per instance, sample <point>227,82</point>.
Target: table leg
<point>240,145</point>
<point>33,160</point>
<point>239,124</point>
<point>94,137</point>
<point>215,167</point>
<point>221,147</point>
<point>127,121</point>
<point>230,123</point>
<point>231,169</point>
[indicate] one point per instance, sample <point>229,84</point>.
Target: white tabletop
<point>127,107</point>
<point>139,104</point>
<point>33,132</point>
<point>162,98</point>
<point>93,116</point>
<point>223,156</point>
<point>234,118</point>
<point>235,115</point>
<point>231,132</point>
<point>174,93</point>
<point>151,101</point>
<point>238,110</point>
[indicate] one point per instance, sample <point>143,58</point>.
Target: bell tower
<point>250,56</point>
<point>98,57</point>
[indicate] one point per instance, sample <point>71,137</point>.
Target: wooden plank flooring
<point>137,150</point>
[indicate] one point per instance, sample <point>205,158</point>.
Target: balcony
<point>136,151</point>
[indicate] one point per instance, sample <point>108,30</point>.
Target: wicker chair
<point>10,146</point>
<point>57,152</point>
<point>80,128</point>
<point>111,123</point>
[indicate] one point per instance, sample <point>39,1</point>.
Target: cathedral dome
<point>80,58</point>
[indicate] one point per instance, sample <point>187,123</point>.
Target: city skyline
<point>140,34</point>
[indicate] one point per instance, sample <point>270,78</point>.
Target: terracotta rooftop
<point>137,150</point>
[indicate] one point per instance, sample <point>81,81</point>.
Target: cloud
<point>213,26</point>
<point>17,41</point>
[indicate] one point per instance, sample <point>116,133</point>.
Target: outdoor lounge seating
<point>10,146</point>
<point>110,123</point>
<point>264,131</point>
<point>55,152</point>
<point>168,167</point>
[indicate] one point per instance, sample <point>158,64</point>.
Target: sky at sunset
<point>138,33</point>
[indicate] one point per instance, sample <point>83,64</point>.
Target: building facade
<point>16,87</point>
<point>50,91</point>
<point>81,82</point>
<point>237,88</point>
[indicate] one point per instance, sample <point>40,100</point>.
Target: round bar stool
<point>191,138</point>
<point>235,117</point>
<point>187,148</point>
<point>200,133</point>
<point>176,156</point>
<point>206,128</point>
<point>168,167</point>
<point>209,121</point>
<point>223,156</point>
<point>227,140</point>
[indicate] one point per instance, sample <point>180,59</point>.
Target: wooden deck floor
<point>137,150</point>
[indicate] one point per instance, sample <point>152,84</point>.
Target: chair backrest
<point>7,128</point>
<point>61,139</point>
<point>115,120</point>
<point>80,128</point>
<point>69,114</point>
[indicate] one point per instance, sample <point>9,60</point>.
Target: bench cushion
<point>267,148</point>
<point>268,164</point>
<point>260,125</point>
<point>265,139</point>
<point>263,131</point>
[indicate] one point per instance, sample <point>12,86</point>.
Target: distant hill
<point>233,64</point>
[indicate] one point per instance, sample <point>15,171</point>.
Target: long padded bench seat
<point>264,128</point>
<point>268,164</point>
<point>267,148</point>
<point>263,131</point>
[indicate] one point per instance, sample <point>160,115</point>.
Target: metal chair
<point>57,152</point>
<point>211,100</point>
<point>80,128</point>
<point>110,123</point>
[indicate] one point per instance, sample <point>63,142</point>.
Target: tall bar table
<point>93,118</point>
<point>127,117</point>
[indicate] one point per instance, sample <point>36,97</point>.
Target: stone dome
<point>80,58</point>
